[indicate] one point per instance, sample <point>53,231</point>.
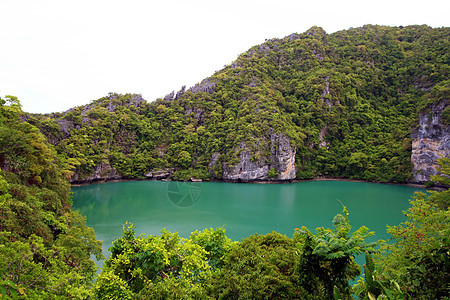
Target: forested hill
<point>367,103</point>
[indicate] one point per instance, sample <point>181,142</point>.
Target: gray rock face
<point>199,114</point>
<point>101,172</point>
<point>323,142</point>
<point>294,37</point>
<point>111,107</point>
<point>213,163</point>
<point>206,86</point>
<point>283,157</point>
<point>136,101</point>
<point>160,174</point>
<point>248,168</point>
<point>430,141</point>
<point>66,126</point>
<point>169,97</point>
<point>326,92</point>
<point>256,166</point>
<point>181,92</point>
<point>235,65</point>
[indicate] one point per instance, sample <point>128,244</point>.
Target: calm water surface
<point>242,209</point>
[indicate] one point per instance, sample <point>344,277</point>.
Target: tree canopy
<point>45,246</point>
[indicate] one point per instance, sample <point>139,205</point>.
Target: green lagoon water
<point>242,209</point>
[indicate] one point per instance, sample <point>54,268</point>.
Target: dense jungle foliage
<point>347,101</point>
<point>45,247</point>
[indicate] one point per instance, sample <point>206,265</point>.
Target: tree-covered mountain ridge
<point>367,103</point>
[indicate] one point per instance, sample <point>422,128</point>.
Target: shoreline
<point>320,178</point>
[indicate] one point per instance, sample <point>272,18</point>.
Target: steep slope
<point>307,105</point>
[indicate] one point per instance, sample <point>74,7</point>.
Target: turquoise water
<point>242,209</point>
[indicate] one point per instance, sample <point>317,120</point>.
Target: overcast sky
<point>57,54</point>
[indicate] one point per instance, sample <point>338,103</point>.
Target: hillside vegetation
<point>45,247</point>
<point>346,102</point>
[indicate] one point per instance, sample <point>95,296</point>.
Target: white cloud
<point>58,54</point>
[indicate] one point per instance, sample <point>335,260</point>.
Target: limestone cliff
<point>279,164</point>
<point>101,172</point>
<point>430,141</point>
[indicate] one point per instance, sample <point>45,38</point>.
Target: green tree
<point>45,247</point>
<point>142,266</point>
<point>327,258</point>
<point>184,159</point>
<point>444,168</point>
<point>417,258</point>
<point>259,267</point>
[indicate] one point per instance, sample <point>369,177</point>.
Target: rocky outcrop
<point>283,157</point>
<point>206,86</point>
<point>66,126</point>
<point>169,97</point>
<point>430,141</point>
<point>250,167</point>
<point>160,174</point>
<point>181,92</point>
<point>323,142</point>
<point>135,101</point>
<point>199,114</point>
<point>101,172</point>
<point>255,165</point>
<point>213,164</point>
